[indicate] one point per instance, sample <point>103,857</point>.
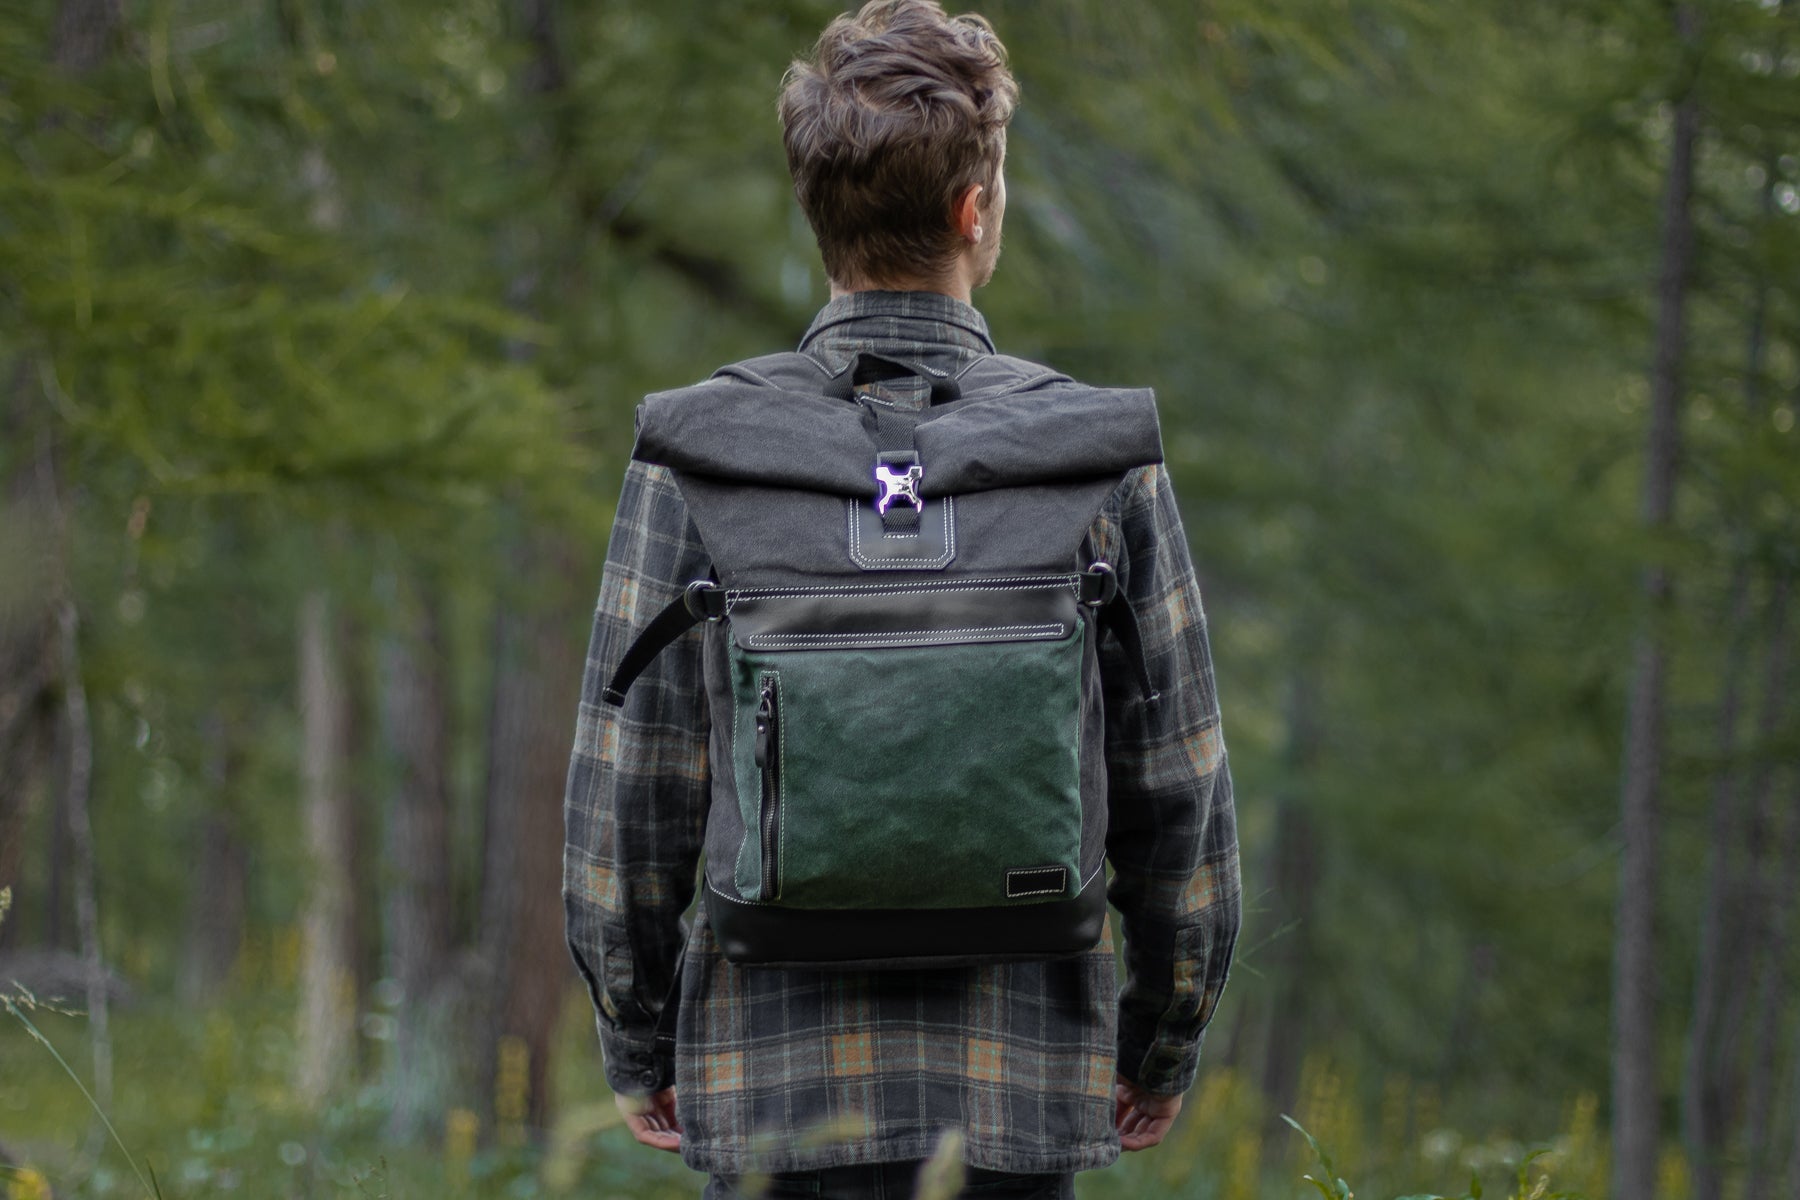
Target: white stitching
<point>1062,874</point>
<point>713,887</point>
<point>852,590</point>
<point>856,554</point>
<point>768,641</point>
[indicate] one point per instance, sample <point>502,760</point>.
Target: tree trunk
<point>79,750</point>
<point>1793,1163</point>
<point>327,1037</point>
<point>1774,877</point>
<point>80,41</point>
<point>216,909</point>
<point>1778,868</point>
<point>83,34</point>
<point>220,891</point>
<point>363,821</point>
<point>56,864</point>
<point>1724,917</point>
<point>28,719</point>
<point>1635,1093</point>
<point>1702,1098</point>
<point>539,658</point>
<point>418,860</point>
<point>1295,875</point>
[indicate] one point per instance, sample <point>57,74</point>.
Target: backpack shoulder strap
<point>988,374</point>
<point>996,373</point>
<point>789,371</point>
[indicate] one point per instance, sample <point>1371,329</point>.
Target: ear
<point>965,213</point>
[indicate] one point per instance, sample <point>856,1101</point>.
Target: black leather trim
<point>931,612</point>
<point>907,637</point>
<point>771,935</point>
<point>929,545</point>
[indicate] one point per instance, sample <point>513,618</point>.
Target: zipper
<point>768,762</point>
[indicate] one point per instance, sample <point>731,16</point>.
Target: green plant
<point>16,1003</point>
<point>1333,1187</point>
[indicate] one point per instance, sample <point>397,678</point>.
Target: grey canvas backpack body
<point>901,654</point>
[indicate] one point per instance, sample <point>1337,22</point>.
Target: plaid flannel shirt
<point>781,1069</point>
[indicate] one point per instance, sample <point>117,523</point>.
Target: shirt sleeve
<point>1172,834</point>
<point>635,809</point>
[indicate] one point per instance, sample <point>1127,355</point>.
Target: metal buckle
<point>898,485</point>
<point>704,599</point>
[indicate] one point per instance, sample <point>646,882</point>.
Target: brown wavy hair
<point>897,110</point>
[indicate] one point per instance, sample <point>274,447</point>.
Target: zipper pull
<point>765,717</point>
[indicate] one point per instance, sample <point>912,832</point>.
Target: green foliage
<point>16,1006</point>
<point>318,295</point>
<point>1332,1186</point>
<point>204,1094</point>
<point>1524,1187</point>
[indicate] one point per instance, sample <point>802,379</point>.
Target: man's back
<point>784,1070</point>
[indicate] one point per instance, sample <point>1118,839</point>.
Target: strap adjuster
<point>1099,585</point>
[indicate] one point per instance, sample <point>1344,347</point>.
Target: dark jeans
<point>891,1181</point>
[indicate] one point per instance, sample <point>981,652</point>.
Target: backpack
<point>901,655</point>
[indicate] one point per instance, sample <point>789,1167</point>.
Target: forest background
<point>1476,332</point>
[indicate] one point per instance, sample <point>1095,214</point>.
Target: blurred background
<point>1476,332</point>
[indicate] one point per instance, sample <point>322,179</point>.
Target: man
<point>839,1082</point>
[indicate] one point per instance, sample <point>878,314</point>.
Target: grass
<point>204,1109</point>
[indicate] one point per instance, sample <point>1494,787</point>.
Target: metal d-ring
<point>705,600</point>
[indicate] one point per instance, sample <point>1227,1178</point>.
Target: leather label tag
<point>1036,881</point>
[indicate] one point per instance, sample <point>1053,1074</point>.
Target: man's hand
<point>1142,1118</point>
<point>651,1118</point>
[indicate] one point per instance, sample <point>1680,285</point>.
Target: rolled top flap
<point>730,429</point>
<point>1064,431</point>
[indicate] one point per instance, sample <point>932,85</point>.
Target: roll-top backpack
<point>901,655</point>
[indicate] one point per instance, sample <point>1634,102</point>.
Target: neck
<point>900,285</point>
<point>958,283</point>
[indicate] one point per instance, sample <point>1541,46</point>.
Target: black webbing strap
<point>892,431</point>
<point>701,600</point>
<point>1119,618</point>
<point>1100,591</point>
<point>866,367</point>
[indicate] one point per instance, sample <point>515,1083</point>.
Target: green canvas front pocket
<point>911,776</point>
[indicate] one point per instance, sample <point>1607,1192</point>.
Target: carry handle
<point>843,385</point>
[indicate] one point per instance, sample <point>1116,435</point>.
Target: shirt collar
<point>930,319</point>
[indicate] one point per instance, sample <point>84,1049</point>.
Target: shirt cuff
<point>1162,1070</point>
<point>635,1064</point>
